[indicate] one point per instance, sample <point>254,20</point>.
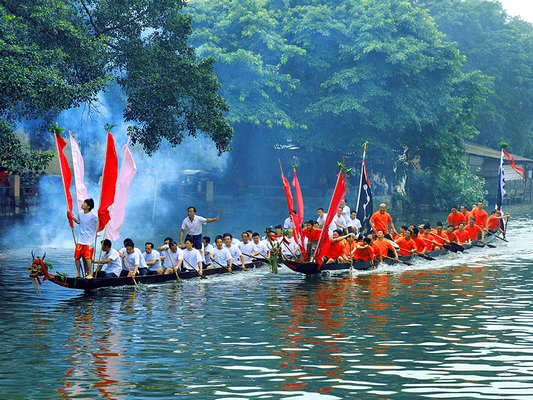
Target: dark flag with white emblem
<point>365,203</point>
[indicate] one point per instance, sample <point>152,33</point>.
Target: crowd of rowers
<point>347,244</point>
<point>195,252</point>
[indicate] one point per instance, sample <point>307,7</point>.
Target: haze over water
<point>459,328</point>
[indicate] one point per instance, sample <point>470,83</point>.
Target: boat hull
<point>96,283</point>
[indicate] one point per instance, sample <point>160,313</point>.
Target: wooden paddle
<point>227,268</point>
<point>420,254</point>
<point>398,260</point>
<point>455,246</point>
<point>496,236</point>
<point>129,269</point>
<point>175,270</point>
<point>197,271</point>
<point>254,257</point>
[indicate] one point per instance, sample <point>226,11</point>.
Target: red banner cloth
<point>298,219</point>
<point>66,176</point>
<point>510,159</point>
<point>338,195</point>
<point>109,182</point>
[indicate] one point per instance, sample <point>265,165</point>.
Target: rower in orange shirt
<point>335,252</point>
<point>494,221</point>
<point>440,236</point>
<point>383,247</point>
<point>473,231</point>
<point>420,243</point>
<point>461,234</point>
<point>480,215</point>
<point>364,251</point>
<point>467,214</point>
<point>455,217</point>
<point>427,237</point>
<point>312,234</point>
<point>451,234</point>
<point>381,220</point>
<point>406,244</point>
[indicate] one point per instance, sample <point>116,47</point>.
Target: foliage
<point>502,48</point>
<point>56,55</point>
<point>15,156</point>
<point>328,75</point>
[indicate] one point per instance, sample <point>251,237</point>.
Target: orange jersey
<point>312,236</point>
<point>335,250</point>
<point>455,219</point>
<point>406,246</point>
<point>472,231</point>
<point>364,254</point>
<point>427,241</point>
<point>439,237</point>
<point>452,237</point>
<point>481,217</point>
<point>420,244</point>
<point>494,223</point>
<point>462,237</point>
<point>381,221</point>
<point>382,247</point>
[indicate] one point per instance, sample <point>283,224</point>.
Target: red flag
<point>288,193</point>
<point>298,219</point>
<point>338,195</point>
<point>519,171</point>
<point>66,176</point>
<point>109,181</point>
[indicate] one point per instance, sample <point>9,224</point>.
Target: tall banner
<point>338,194</point>
<point>365,202</point>
<point>298,219</point>
<point>66,176</point>
<point>109,181</point>
<point>127,172</point>
<point>501,186</point>
<point>79,172</point>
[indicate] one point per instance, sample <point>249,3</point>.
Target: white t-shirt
<point>208,250</point>
<point>235,254</point>
<point>222,256</point>
<point>195,227</point>
<point>88,225</point>
<point>192,257</point>
<point>133,259</point>
<point>323,219</point>
<point>154,255</point>
<point>288,224</point>
<point>262,248</point>
<point>339,220</point>
<point>356,224</point>
<point>346,215</point>
<point>247,248</point>
<point>115,265</point>
<point>291,245</point>
<point>174,257</point>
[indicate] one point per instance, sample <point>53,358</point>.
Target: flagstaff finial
<point>363,146</point>
<point>108,127</point>
<point>503,145</point>
<point>56,129</point>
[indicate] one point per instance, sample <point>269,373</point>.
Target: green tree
<point>56,55</point>
<point>502,48</point>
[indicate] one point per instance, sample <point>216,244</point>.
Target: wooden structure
<point>485,163</point>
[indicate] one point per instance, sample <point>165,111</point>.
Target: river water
<point>460,327</point>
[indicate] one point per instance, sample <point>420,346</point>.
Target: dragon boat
<point>310,268</point>
<point>97,283</point>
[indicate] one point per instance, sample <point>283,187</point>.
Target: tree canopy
<point>329,75</point>
<point>56,55</point>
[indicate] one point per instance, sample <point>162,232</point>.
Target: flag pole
<point>63,180</point>
<point>98,222</point>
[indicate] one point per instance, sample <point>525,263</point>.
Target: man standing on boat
<point>480,216</point>
<point>88,222</point>
<point>192,225</point>
<point>381,220</point>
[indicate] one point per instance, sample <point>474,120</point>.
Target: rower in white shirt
<point>173,259</point>
<point>288,224</point>
<point>247,248</point>
<point>152,259</point>
<point>236,254</point>
<point>192,259</point>
<point>289,247</point>
<point>112,261</point>
<point>261,247</point>
<point>192,227</point>
<point>132,260</point>
<point>346,213</point>
<point>208,251</point>
<point>221,255</point>
<point>356,224</point>
<point>339,221</point>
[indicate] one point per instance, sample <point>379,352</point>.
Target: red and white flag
<point>109,182</point>
<point>127,172</point>
<point>66,176</point>
<point>79,172</point>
